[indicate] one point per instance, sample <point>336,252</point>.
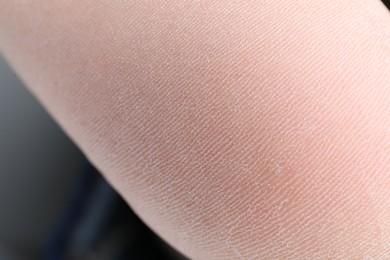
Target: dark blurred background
<point>38,165</point>
<point>50,195</point>
<point>53,204</point>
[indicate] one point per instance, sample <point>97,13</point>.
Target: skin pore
<point>235,129</point>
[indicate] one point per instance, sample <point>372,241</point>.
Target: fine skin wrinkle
<point>235,129</point>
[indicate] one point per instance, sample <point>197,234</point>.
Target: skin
<point>235,129</point>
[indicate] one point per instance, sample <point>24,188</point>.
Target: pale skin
<point>235,129</point>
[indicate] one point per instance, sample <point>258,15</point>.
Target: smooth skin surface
<point>235,129</point>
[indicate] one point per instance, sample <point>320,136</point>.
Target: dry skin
<point>235,129</point>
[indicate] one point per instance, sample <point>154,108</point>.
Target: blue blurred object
<point>98,224</point>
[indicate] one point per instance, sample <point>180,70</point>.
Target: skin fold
<point>235,129</point>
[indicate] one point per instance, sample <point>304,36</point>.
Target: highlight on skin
<point>235,129</point>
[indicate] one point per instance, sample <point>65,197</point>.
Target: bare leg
<point>235,129</point>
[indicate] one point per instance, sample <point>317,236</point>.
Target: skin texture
<point>235,129</point>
